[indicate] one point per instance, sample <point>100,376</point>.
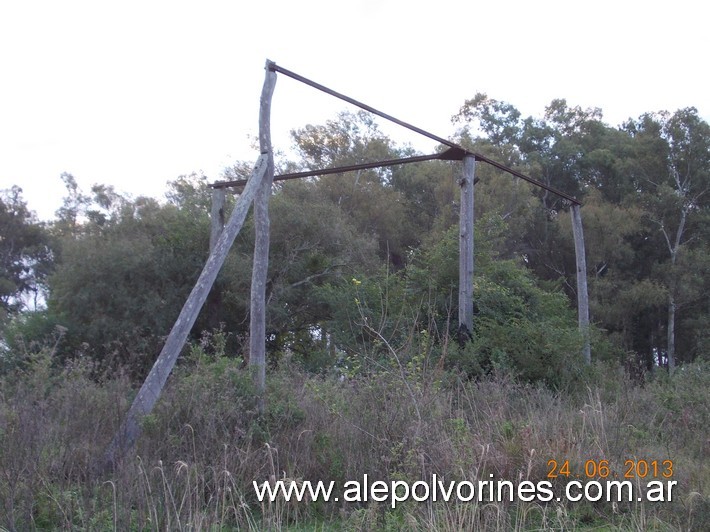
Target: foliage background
<point>361,297</point>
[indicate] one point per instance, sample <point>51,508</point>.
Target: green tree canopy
<point>25,254</point>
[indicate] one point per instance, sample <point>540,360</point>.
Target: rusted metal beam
<point>454,153</point>
<point>340,169</point>
<point>529,179</point>
<point>361,105</point>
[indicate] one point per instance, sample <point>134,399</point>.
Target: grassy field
<point>204,445</point>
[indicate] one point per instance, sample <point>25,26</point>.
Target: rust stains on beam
<point>361,105</point>
<point>529,179</point>
<point>454,153</point>
<point>340,169</point>
<point>459,152</point>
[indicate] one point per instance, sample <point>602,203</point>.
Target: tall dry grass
<point>204,445</point>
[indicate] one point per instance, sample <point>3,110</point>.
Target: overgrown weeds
<point>204,445</point>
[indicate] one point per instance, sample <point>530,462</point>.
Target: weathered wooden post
<point>257,325</point>
<point>582,293</point>
<point>149,393</point>
<point>466,250</point>
<point>217,215</point>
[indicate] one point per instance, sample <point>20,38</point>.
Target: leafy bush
<point>520,326</point>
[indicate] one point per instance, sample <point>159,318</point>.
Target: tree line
<point>364,264</point>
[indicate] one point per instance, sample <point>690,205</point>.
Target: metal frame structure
<point>257,190</point>
<point>454,153</point>
<point>468,158</point>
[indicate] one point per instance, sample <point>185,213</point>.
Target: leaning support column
<point>582,293</point>
<point>466,250</point>
<point>149,393</point>
<point>257,325</point>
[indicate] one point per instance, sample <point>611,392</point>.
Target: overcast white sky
<point>135,93</point>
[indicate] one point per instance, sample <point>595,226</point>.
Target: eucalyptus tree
<point>672,170</point>
<point>569,148</point>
